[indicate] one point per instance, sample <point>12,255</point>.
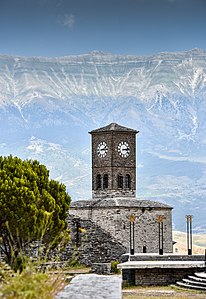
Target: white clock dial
<point>102,149</point>
<point>123,149</point>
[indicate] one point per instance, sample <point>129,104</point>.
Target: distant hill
<point>198,243</point>
<point>48,105</point>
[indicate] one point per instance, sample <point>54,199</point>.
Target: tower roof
<point>114,127</point>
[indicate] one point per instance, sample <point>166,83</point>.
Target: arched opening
<point>127,181</point>
<point>120,181</point>
<point>98,182</point>
<point>105,181</point>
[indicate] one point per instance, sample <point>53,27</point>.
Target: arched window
<point>98,182</point>
<point>105,181</point>
<point>127,181</point>
<point>120,181</point>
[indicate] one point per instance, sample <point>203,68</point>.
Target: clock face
<point>102,149</point>
<point>123,149</point>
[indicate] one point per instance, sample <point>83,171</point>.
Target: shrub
<point>31,284</point>
<point>114,268</point>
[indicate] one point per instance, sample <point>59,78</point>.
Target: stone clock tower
<point>113,162</point>
<point>114,202</point>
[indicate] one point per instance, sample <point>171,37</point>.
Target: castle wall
<point>115,221</point>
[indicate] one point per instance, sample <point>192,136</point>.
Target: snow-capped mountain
<point>48,105</point>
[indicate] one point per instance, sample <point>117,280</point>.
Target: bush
<point>114,268</point>
<point>31,284</point>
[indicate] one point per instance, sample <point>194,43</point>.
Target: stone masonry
<point>159,272</point>
<point>112,162</point>
<point>90,243</point>
<point>112,215</point>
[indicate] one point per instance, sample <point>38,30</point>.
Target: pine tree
<point>33,208</point>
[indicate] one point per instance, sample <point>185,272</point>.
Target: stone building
<point>136,224</point>
<point>113,162</point>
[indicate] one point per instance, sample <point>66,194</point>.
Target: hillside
<point>198,243</point>
<point>48,105</point>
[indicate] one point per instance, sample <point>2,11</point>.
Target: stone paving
<point>93,286</point>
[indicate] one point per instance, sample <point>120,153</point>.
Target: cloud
<point>195,159</point>
<point>181,188</point>
<point>68,20</point>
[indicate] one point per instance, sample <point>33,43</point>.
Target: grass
<point>160,293</point>
<point>157,297</point>
<point>29,279</point>
<point>35,282</point>
<point>31,284</point>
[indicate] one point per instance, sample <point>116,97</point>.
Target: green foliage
<point>5,272</point>
<point>33,208</point>
<point>114,268</point>
<point>31,284</point>
<point>74,260</point>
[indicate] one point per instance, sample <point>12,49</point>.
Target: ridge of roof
<point>113,127</point>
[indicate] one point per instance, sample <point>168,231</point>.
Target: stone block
<point>101,268</point>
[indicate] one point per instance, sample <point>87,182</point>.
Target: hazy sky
<point>64,27</point>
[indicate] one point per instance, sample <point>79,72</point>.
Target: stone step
<point>200,274</point>
<point>193,282</point>
<point>189,286</point>
<point>200,279</point>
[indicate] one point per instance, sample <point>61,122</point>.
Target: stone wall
<point>113,193</point>
<point>115,221</point>
<point>161,277</point>
<point>91,243</point>
<point>156,276</point>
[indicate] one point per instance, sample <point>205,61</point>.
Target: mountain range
<point>48,106</point>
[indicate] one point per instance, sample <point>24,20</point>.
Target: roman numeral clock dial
<point>123,149</point>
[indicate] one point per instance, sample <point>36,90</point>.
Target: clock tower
<point>113,162</point>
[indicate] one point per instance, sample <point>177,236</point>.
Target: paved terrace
<point>164,257</point>
<point>93,286</point>
<point>161,264</point>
